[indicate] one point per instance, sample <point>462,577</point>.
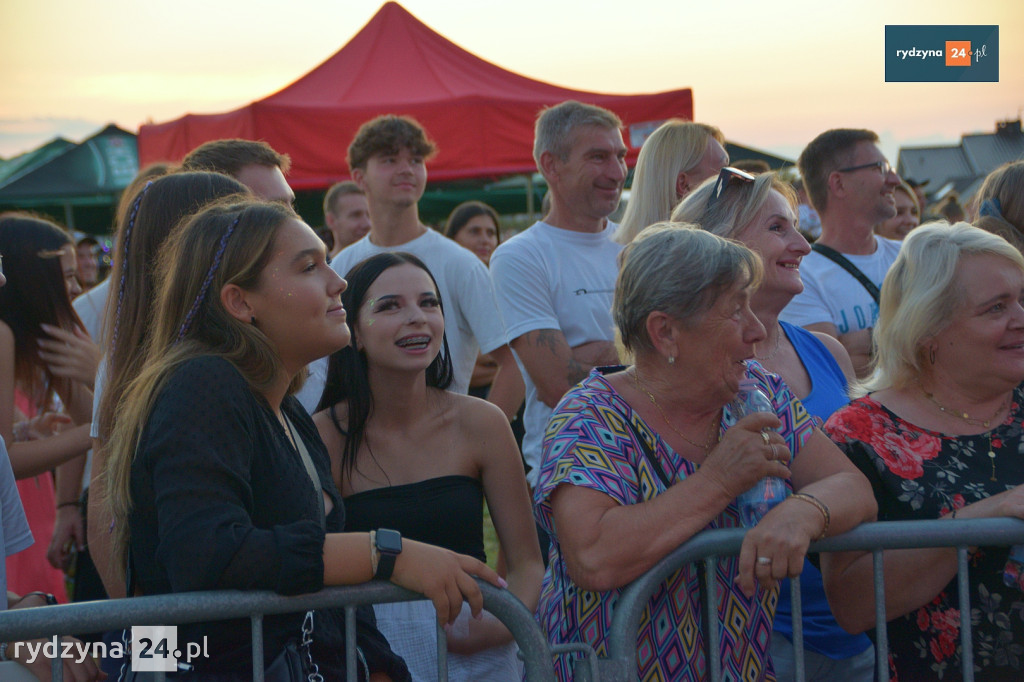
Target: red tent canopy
<point>480,115</point>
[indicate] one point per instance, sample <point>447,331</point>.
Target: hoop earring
<point>931,355</point>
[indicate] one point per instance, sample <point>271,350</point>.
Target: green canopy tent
<point>14,168</point>
<point>77,184</point>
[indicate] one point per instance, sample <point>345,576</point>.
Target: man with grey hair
<point>851,185</point>
<point>346,214</point>
<point>554,281</point>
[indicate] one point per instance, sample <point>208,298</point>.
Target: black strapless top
<point>446,511</point>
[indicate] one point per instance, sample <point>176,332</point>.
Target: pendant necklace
<point>706,446</point>
<point>973,421</point>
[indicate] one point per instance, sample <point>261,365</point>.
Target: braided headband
<point>124,259</point>
<point>209,278</point>
<point>991,207</point>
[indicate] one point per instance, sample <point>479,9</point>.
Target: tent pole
<point>529,196</point>
<point>69,217</point>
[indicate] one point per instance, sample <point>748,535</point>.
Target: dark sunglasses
<point>725,178</point>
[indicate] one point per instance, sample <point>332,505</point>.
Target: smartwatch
<point>389,544</point>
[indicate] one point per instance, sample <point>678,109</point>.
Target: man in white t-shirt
<point>850,184</point>
<point>555,281</point>
<point>387,159</point>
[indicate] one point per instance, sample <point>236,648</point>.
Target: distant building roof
<point>738,151</point>
<point>966,164</point>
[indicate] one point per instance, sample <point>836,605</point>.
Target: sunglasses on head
<point>725,178</point>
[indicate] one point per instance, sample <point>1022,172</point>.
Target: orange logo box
<point>958,53</point>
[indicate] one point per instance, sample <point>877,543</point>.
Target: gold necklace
<point>712,438</point>
<point>973,421</point>
<point>775,349</point>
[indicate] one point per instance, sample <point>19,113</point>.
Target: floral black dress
<point>922,474</point>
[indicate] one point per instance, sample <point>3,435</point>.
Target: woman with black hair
<point>40,267</point>
<point>401,445</point>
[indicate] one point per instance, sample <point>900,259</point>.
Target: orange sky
<point>771,75</point>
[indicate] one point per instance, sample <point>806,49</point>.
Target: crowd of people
<point>246,403</point>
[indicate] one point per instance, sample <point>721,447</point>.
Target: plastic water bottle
<point>1013,572</point>
<point>769,491</point>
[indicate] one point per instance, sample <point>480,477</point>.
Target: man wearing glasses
<point>851,185</point>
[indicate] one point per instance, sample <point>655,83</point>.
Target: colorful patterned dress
<point>589,443</point>
<point>921,474</point>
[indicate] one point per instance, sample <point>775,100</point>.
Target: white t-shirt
<point>471,320</point>
<point>14,531</point>
<point>550,278</point>
<point>831,294</point>
<point>89,307</point>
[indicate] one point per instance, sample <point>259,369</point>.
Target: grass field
<point>490,539</point>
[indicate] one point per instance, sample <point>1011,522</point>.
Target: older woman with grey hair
<point>637,460</point>
<point>939,435</point>
<point>760,212</point>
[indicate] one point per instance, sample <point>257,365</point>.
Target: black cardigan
<point>221,500</point>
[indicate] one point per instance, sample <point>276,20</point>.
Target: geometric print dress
<point>916,473</point>
<point>591,441</point>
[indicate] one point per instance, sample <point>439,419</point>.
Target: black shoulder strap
<point>649,455</point>
<point>706,621</point>
<point>840,260</point>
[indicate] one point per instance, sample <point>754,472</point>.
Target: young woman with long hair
<point>40,268</point>
<point>155,211</point>
<point>215,474</point>
<point>401,444</point>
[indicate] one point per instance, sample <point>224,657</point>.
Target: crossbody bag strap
<point>305,644</point>
<point>307,462</point>
<point>705,615</point>
<point>841,260</point>
<point>649,455</point>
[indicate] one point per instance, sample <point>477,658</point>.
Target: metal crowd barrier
<point>176,609</point>
<point>621,663</point>
<point>708,546</point>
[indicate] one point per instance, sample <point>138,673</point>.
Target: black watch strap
<point>389,544</point>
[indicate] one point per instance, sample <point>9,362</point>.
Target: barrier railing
<point>621,663</point>
<point>177,609</point>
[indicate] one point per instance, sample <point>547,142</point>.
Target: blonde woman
<point>674,160</point>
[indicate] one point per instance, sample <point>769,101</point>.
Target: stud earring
<point>671,359</point>
<point>252,320</point>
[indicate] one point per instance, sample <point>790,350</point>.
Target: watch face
<point>389,541</point>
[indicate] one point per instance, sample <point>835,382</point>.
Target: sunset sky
<point>772,75</point>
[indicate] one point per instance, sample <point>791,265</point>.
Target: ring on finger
<point>774,454</point>
<point>764,561</point>
<point>766,438</point>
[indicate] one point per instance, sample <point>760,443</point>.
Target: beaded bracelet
<point>821,507</point>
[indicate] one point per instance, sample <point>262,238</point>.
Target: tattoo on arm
<point>550,339</point>
<point>577,372</point>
